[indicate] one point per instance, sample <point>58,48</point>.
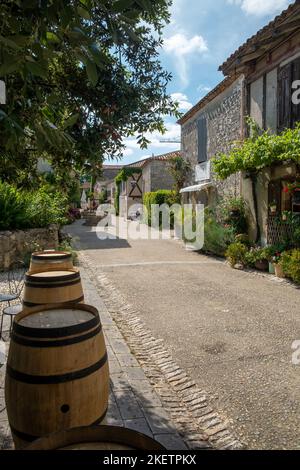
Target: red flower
<point>286,189</point>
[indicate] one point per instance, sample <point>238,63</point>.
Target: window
<point>202,140</point>
<point>288,113</point>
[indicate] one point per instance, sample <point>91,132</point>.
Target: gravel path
<point>231,331</point>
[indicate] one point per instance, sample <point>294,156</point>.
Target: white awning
<point>197,187</point>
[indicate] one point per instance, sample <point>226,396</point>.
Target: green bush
<point>44,209</point>
<point>256,255</point>
<point>217,236</point>
<point>160,197</point>
<point>21,209</point>
<point>237,254</point>
<point>290,262</point>
<point>233,213</point>
<point>12,208</point>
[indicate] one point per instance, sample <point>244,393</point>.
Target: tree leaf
<point>36,69</point>
<point>92,72</point>
<point>71,121</point>
<point>84,13</point>
<point>121,5</point>
<point>10,66</point>
<point>99,57</point>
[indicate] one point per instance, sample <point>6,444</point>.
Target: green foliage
<point>274,251</point>
<point>81,75</point>
<point>103,196</point>
<point>21,209</point>
<point>217,237</point>
<point>179,169</point>
<point>233,212</point>
<point>256,255</point>
<point>160,197</point>
<point>12,208</point>
<point>236,253</point>
<point>290,262</point>
<point>258,152</point>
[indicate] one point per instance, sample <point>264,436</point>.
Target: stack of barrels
<point>57,376</point>
<point>57,373</point>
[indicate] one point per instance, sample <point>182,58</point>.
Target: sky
<point>202,34</point>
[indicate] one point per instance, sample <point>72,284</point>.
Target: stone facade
<point>158,176</point>
<point>16,245</point>
<point>224,120</point>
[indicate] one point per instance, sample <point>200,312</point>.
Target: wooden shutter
<point>284,97</point>
<point>295,107</point>
<point>202,140</point>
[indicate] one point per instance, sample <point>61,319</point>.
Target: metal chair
<point>14,280</point>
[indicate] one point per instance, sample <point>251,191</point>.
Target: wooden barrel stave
<point>49,260</point>
<point>52,287</point>
<point>54,387</point>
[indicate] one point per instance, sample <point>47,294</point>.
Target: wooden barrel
<point>52,287</point>
<point>50,260</point>
<point>97,438</point>
<point>57,373</point>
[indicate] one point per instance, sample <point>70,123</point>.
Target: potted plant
<point>256,257</point>
<point>273,207</point>
<point>285,215</point>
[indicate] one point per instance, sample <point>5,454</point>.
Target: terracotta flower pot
<point>279,271</point>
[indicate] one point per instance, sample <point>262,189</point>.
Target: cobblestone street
<point>229,332</point>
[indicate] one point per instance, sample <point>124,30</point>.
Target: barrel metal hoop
<point>56,343</point>
<point>55,379</point>
<point>30,438</point>
<point>45,285</point>
<point>55,332</point>
<point>42,279</point>
<point>71,302</point>
<point>54,258</point>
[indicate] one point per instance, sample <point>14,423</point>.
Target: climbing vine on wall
<point>259,151</point>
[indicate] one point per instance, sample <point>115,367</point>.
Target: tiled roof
<point>112,167</point>
<point>269,34</point>
<point>207,99</point>
<point>145,161</point>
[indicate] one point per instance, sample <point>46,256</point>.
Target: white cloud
<point>182,47</point>
<point>261,7</point>
<point>183,101</point>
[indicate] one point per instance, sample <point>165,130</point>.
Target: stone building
<point>154,175</point>
<point>270,62</point>
<point>208,128</point>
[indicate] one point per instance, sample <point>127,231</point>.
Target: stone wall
<point>161,177</point>
<point>224,126</point>
<point>16,245</point>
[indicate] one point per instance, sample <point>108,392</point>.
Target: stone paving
<point>132,402</point>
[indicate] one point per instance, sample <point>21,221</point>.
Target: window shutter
<point>202,140</point>
<point>284,97</point>
<point>295,107</point>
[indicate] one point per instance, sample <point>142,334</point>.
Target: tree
<point>81,75</point>
<point>179,169</point>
